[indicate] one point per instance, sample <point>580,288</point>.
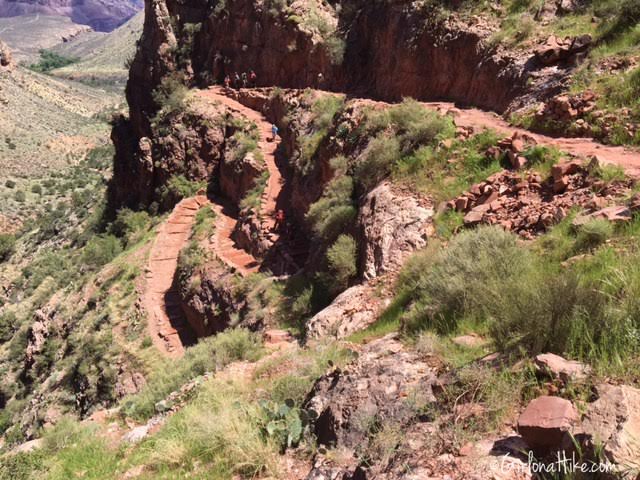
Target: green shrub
<point>130,226</point>
<point>336,47</point>
<point>253,197</point>
<point>324,110</point>
<point>7,245</point>
<point>100,250</point>
<point>377,160</point>
<point>20,196</point>
<point>8,326</point>
<point>342,260</point>
<point>179,187</point>
<point>593,234</point>
<point>50,61</point>
<point>100,157</point>
<point>37,189</point>
<point>447,284</point>
<point>170,96</point>
<point>334,211</point>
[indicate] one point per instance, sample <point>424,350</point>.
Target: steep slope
<point>46,122</point>
<point>103,57</point>
<point>101,15</point>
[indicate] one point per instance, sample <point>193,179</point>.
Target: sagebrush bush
<point>376,161</point>
<point>342,258</point>
<point>7,245</point>
<point>593,234</point>
<point>448,283</point>
<point>130,225</point>
<point>528,302</point>
<point>334,211</point>
<point>100,250</point>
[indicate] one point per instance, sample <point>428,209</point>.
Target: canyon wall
<point>382,50</point>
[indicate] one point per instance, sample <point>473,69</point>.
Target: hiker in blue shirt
<point>274,131</point>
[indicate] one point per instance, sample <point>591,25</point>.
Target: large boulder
<point>613,421</point>
<point>392,225</point>
<point>387,386</point>
<point>546,423</point>
<point>352,310</point>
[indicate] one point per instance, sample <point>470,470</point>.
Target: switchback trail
<point>224,247</point>
<point>168,326</point>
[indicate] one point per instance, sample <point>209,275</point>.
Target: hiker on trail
<point>227,82</point>
<point>320,81</point>
<point>244,80</point>
<point>253,79</point>
<point>236,81</point>
<point>274,132</point>
<point>279,219</point>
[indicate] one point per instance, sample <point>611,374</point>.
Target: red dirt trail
<point>167,324</point>
<point>628,159</point>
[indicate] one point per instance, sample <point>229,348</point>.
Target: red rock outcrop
<point>384,50</point>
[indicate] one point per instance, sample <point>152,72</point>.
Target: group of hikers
<point>250,80</point>
<point>243,80</point>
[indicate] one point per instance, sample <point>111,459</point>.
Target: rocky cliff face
<point>383,50</point>
<point>102,15</point>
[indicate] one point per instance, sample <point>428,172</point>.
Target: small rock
<point>558,367</point>
<point>472,340</point>
<point>136,435</point>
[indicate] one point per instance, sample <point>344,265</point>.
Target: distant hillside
<point>46,122</point>
<point>103,55</point>
<point>28,34</point>
<point>101,15</point>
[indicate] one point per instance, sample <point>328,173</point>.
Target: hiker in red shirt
<point>253,79</point>
<point>279,220</point>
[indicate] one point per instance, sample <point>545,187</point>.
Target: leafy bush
<point>50,61</point>
<point>100,250</point>
<point>336,47</point>
<point>179,187</point>
<point>7,245</point>
<point>170,96</point>
<point>324,110</point>
<point>525,300</point>
<point>100,157</point>
<point>620,16</point>
<point>342,260</point>
<point>448,283</point>
<point>130,225</point>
